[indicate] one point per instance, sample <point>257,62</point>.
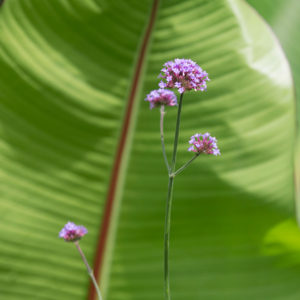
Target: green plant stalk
<point>162,114</point>
<point>90,271</point>
<point>185,165</point>
<point>169,206</point>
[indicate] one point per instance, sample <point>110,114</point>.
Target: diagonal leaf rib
<point>104,229</point>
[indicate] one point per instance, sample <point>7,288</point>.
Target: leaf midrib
<point>119,157</point>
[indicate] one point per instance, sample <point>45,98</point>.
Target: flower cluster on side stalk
<point>73,233</point>
<point>204,143</point>
<point>184,75</point>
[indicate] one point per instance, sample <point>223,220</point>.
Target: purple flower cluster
<point>161,97</point>
<point>72,232</point>
<point>183,74</point>
<point>204,143</point>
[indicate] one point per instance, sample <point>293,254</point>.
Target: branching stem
<point>169,207</point>
<point>185,165</point>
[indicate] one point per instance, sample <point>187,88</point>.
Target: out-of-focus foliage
<point>283,16</point>
<point>66,71</point>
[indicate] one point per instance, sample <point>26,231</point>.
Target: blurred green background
<point>67,72</point>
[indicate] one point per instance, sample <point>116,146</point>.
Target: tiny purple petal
<point>183,74</point>
<point>160,97</point>
<point>181,90</point>
<point>216,152</point>
<point>72,232</point>
<point>204,143</point>
<point>162,85</point>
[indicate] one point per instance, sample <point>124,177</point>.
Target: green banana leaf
<point>78,143</point>
<point>282,15</point>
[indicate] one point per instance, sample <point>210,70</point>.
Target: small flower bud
<point>161,97</point>
<point>72,232</point>
<point>204,143</point>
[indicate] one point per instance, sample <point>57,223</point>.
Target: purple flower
<point>72,232</point>
<point>161,97</point>
<point>183,74</point>
<point>204,143</point>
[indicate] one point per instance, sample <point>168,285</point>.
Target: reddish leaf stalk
<point>98,262</point>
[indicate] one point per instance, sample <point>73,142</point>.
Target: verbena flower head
<point>72,232</point>
<point>183,74</point>
<point>204,143</point>
<point>161,97</point>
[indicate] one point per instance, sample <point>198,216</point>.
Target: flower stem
<point>176,134</point>
<point>90,271</point>
<point>169,206</point>
<point>185,165</point>
<point>167,238</point>
<point>162,113</point>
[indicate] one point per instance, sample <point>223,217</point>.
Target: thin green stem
<point>169,207</point>
<point>176,134</point>
<point>90,271</point>
<point>167,238</point>
<point>185,165</point>
<point>162,113</point>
